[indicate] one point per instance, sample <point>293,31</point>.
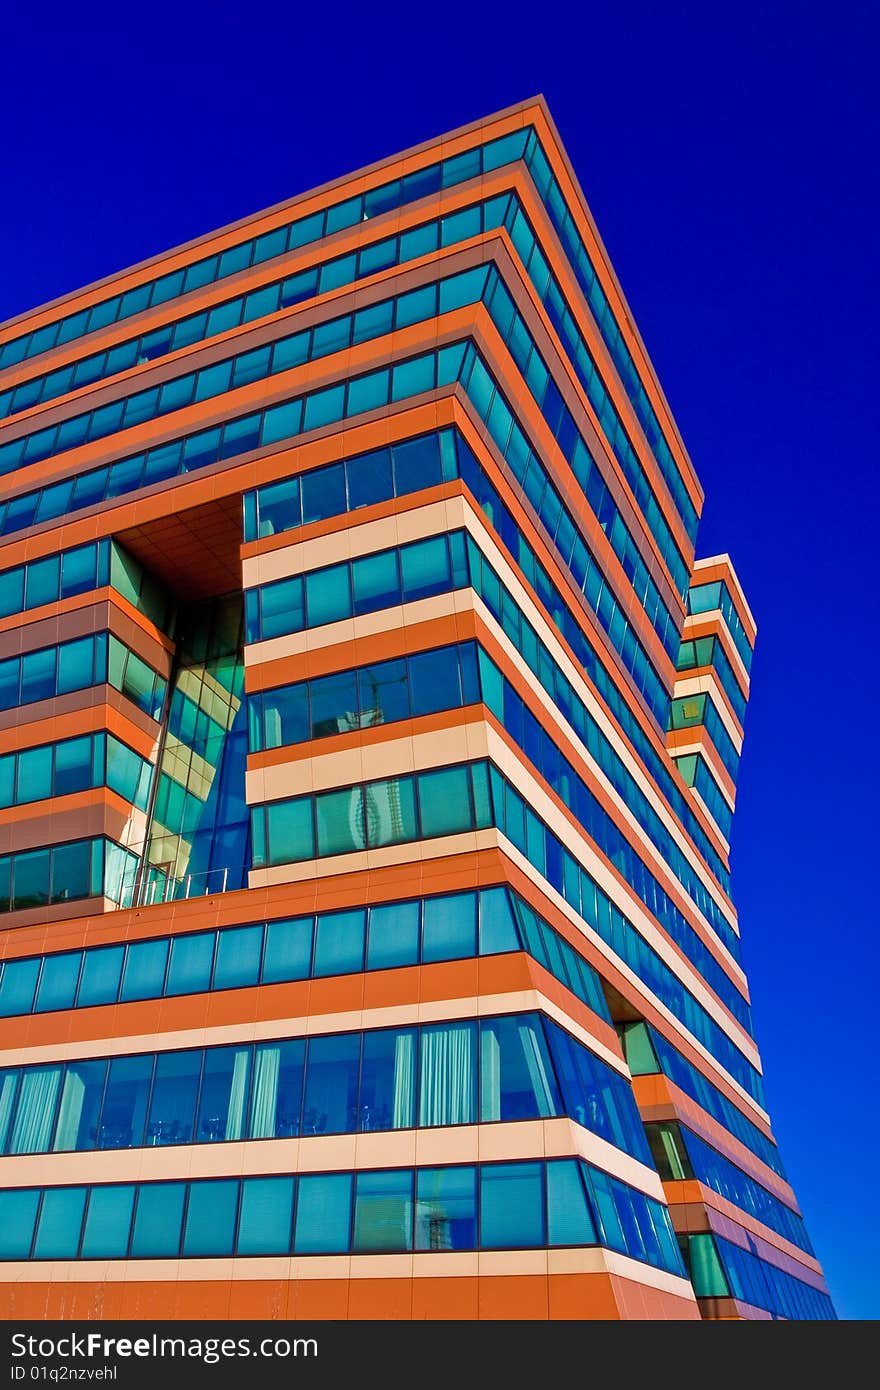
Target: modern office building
<point>368,747</point>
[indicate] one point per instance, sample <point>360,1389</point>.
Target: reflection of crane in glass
<point>377,817</point>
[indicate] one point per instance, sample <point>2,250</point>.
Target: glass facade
<point>347,802</point>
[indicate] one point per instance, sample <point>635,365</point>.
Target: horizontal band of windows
<point>680,1156</point>
<point>491,921</point>
<point>704,598</point>
<point>349,397</point>
<point>504,210</point>
<point>75,765</point>
<point>564,224</point>
<point>67,573</point>
<point>290,236</point>
<point>62,873</point>
<point>709,651</point>
<point>482,283</point>
<point>451,678</point>
<point>720,1269</point>
<point>648,1052</point>
<point>697,773</point>
<point>352,211</point>
<point>427,460</point>
<point>459,1072</point>
<point>473,796</point>
<point>77,665</point>
<point>490,1206</point>
<point>693,711</point>
<point>440,564</point>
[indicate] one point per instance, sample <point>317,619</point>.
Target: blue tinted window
<point>108,1221</point>
<point>339,947</point>
<point>173,1102</point>
<point>102,968</point>
<point>238,957</point>
<point>446,1209</point>
<point>276,1092</point>
<point>266,1214</point>
<point>383,1211</point>
<point>60,1223</point>
<point>511,1205</point>
<point>210,1218</point>
<point>288,951</point>
<point>323,1214</point>
<point>58,982</point>
<point>189,970</point>
<point>393,936</point>
<point>144,970</point>
<point>450,927</point>
<point>569,1220</point>
<point>330,1100</point>
<point>124,1111</point>
<point>388,1076</point>
<point>18,1210</point>
<point>158,1220</point>
<point>516,1073</point>
<point>81,1094</point>
<point>17,986</point>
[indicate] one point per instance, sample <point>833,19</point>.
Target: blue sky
<point>729,158</point>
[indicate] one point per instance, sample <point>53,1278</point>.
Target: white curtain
<point>265,1098</point>
<point>490,1074</point>
<point>238,1095</point>
<point>534,1054</point>
<point>404,1081</point>
<point>446,1089</point>
<point>35,1111</point>
<point>72,1096</point>
<point>7,1092</point>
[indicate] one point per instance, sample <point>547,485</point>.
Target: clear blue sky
<point>729,154</point>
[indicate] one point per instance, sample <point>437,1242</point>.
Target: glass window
<point>446,1208</point>
<point>369,481</point>
<point>73,764</point>
<point>447,1074</point>
<point>43,581</point>
<point>34,780</point>
<point>266,1215</point>
<point>71,871</point>
<point>450,927</point>
<point>124,1111</point>
<point>383,1215</point>
<point>497,929</point>
<point>425,568</point>
<point>388,1077</point>
<point>35,1110</point>
<point>516,1073</point>
<point>30,879</point>
<point>328,595</point>
<point>288,951</point>
<point>330,1101</point>
<point>38,675</point>
<point>511,1205</point>
<point>339,945</point>
<point>224,1094</point>
<point>393,936</point>
<point>568,1211</point>
<point>101,972</point>
<point>390,811</point>
<point>334,704</point>
<point>17,986</point>
<point>375,581</point>
<point>210,1217</point>
<point>189,971</point>
<point>445,802</point>
<point>58,982</point>
<point>158,1219</point>
<point>279,507</point>
<point>434,680</point>
<point>238,957</point>
<point>60,1223</point>
<point>81,1094</point>
<point>323,493</point>
<point>18,1211</point>
<point>108,1222</point>
<point>173,1102</point>
<point>291,836</point>
<point>276,1093</point>
<point>323,1214</point>
<point>144,970</point>
<point>384,692</point>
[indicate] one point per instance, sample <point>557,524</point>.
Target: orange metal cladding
<point>183,538</point>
